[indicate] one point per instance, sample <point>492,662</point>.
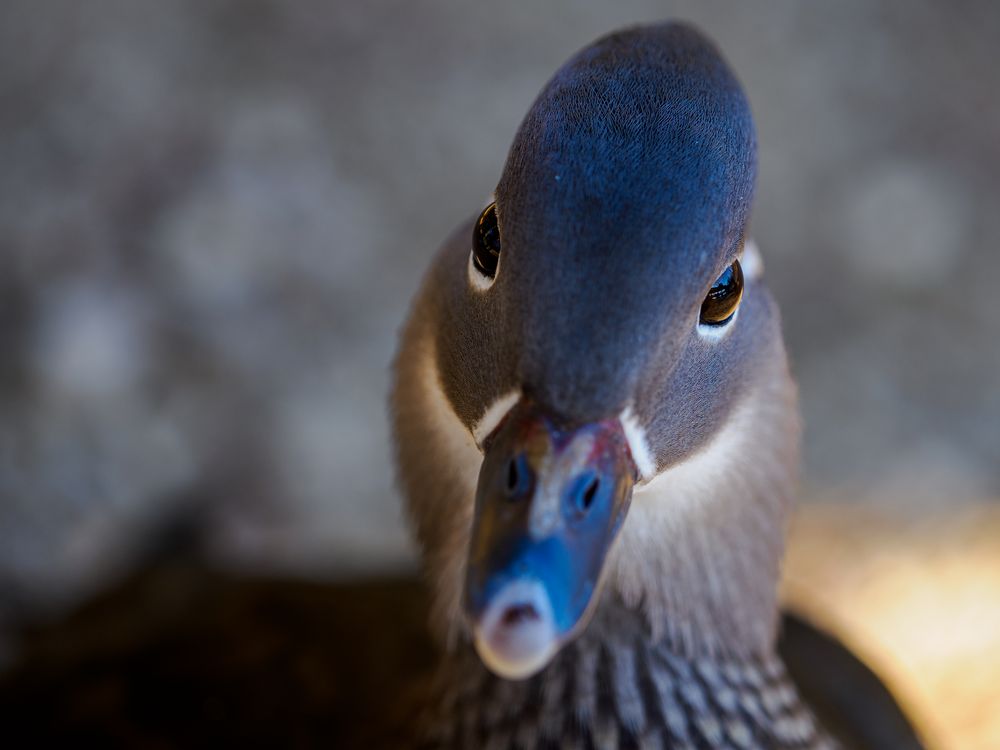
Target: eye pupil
<point>724,297</point>
<point>486,242</point>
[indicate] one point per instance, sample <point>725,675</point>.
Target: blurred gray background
<point>213,215</point>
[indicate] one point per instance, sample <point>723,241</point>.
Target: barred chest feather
<point>612,688</point>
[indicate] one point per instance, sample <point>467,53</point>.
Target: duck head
<point>592,390</point>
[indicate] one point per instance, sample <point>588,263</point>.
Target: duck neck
<point>617,687</point>
<point>701,549</point>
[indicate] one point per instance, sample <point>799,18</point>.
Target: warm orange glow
<point>919,599</point>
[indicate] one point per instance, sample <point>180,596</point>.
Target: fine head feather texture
<point>629,185</point>
<point>626,193</point>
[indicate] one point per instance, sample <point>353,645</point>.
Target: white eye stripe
<point>477,279</point>
<point>752,262</point>
<point>717,331</point>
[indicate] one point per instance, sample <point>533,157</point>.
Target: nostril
<point>513,478</point>
<point>518,613</point>
<point>589,493</point>
<point>518,480</point>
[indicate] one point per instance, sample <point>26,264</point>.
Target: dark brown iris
<point>486,242</point>
<point>724,297</point>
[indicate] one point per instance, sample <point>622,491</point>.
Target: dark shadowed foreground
<point>183,656</point>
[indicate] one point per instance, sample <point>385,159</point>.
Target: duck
<point>597,435</point>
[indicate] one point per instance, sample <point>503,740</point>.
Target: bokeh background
<point>213,215</point>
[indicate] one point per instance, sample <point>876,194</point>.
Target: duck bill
<point>550,501</point>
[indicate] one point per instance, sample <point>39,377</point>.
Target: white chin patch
<point>516,635</point>
<point>638,445</point>
<point>494,413</point>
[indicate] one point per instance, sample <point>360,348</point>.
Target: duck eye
<point>724,297</point>
<point>486,242</point>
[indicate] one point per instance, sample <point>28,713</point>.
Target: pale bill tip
<point>516,634</point>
